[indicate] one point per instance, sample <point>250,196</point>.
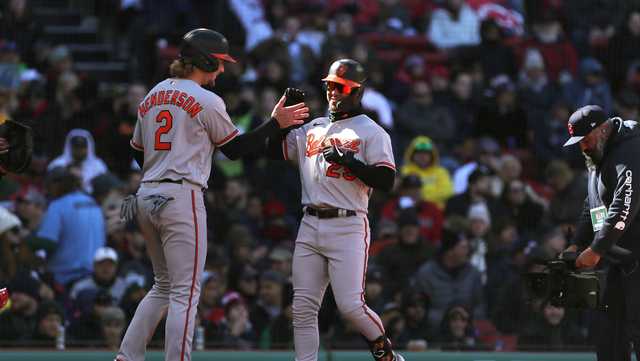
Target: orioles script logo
<point>315,146</point>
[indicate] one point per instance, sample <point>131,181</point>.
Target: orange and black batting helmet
<point>204,48</point>
<point>347,72</point>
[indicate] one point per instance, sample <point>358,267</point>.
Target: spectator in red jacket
<point>430,217</point>
<point>560,56</point>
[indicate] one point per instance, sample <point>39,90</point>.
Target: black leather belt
<point>330,212</point>
<point>167,180</point>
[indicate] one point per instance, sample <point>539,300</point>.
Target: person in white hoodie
<point>79,152</point>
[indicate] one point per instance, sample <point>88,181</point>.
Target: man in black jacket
<point>609,217</point>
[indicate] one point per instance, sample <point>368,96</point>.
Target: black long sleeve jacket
<point>615,184</point>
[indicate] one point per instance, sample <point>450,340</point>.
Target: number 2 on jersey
<point>336,170</point>
<point>166,118</point>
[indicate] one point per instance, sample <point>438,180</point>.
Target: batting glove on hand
<point>333,154</point>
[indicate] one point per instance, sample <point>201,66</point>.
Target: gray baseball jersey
<point>331,185</point>
<point>179,126</point>
<point>333,250</point>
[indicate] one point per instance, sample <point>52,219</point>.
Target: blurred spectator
<point>553,243</point>
<point>19,323</point>
<point>72,229</point>
<point>9,240</point>
<point>450,278</point>
<point>125,114</point>
<point>486,154</point>
<point>560,57</point>
<point>415,307</point>
<point>251,15</point>
<point>399,261</point>
<point>456,330</point>
<point>551,329</point>
<point>510,300</point>
<point>624,48</point>
<point>49,321</point>
<point>279,335</point>
<point>419,115</point>
<point>247,285</point>
<point>590,87</point>
<point>421,158</point>
<point>569,192</point>
<point>280,258</point>
<point>135,264</point>
<point>113,324</point>
<point>210,309</point>
<point>627,105</point>
<point>413,69</point>
<point>269,303</point>
<point>104,277</point>
<point>377,103</point>
<point>301,56</point>
<point>453,25</point>
<point>509,169</point>
<point>341,38</point>
<point>590,22</point>
<point>235,330</point>
<point>479,228</point>
<point>478,191</point>
<point>85,326</point>
<point>130,300</point>
<point>503,117</point>
<point>429,216</point>
<point>375,292</point>
<point>30,207</point>
<point>79,152</point>
<point>550,134</point>
<point>536,92</point>
<point>462,105</point>
<point>495,57</point>
<point>19,26</point>
<point>528,214</point>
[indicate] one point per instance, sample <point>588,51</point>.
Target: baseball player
<point>341,159</point>
<point>180,125</point>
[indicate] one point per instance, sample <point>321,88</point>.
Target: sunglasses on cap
<point>341,88</point>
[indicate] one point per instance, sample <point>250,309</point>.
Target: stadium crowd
<point>475,94</point>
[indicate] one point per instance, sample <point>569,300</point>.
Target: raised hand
<point>288,116</point>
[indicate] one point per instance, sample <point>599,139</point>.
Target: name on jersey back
<point>173,97</point>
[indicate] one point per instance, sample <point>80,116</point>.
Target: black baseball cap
<point>583,121</point>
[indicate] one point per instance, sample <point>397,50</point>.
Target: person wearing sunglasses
<point>341,157</point>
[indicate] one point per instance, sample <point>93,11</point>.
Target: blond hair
<point>180,69</point>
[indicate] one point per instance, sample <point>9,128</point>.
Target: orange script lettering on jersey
<point>315,146</point>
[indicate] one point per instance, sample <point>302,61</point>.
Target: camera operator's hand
<point>571,249</point>
<point>588,258</point>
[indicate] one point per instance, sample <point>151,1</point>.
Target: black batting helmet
<point>347,72</point>
<point>202,47</point>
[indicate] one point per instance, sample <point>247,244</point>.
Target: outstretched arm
<point>282,117</point>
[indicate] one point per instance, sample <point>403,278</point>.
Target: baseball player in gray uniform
<point>341,159</point>
<point>180,125</point>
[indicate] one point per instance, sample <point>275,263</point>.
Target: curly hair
<point>180,69</point>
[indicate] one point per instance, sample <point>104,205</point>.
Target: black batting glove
<point>333,154</point>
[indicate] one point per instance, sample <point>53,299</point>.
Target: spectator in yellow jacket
<point>421,159</point>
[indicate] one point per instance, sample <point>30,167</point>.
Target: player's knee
<point>351,309</point>
<point>304,310</point>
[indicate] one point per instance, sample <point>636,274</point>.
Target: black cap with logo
<point>583,121</point>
